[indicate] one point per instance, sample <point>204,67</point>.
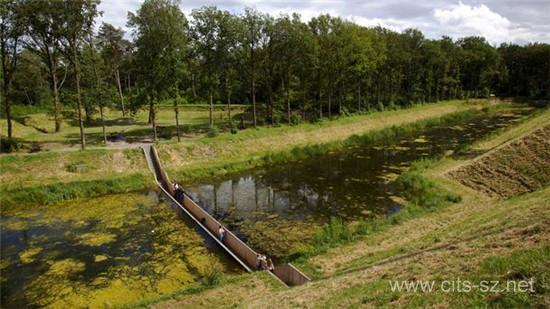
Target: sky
<point>509,21</point>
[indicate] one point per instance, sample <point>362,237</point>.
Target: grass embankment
<point>46,178</point>
<point>50,177</point>
<point>520,167</point>
<point>211,156</point>
<point>478,238</point>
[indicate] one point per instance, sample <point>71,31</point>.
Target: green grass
<point>36,124</point>
<point>423,196</point>
<point>422,191</point>
<point>297,153</point>
<point>524,264</point>
<point>51,193</point>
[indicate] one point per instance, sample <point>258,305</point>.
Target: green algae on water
<point>102,252</point>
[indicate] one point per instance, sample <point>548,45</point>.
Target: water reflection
<point>351,184</point>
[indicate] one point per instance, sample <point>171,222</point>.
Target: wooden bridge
<point>235,247</point>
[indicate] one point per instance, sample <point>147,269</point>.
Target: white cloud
<point>389,23</point>
<point>463,20</point>
<point>497,20</point>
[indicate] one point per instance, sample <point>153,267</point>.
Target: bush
<point>166,132</point>
<point>212,275</point>
<point>8,145</point>
<point>295,119</point>
<point>335,232</point>
<point>422,191</point>
<point>76,167</point>
<point>213,131</point>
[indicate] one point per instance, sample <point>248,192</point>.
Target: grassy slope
<point>19,171</point>
<point>479,238</point>
<point>247,148</point>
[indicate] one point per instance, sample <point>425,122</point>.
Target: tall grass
<point>422,191</point>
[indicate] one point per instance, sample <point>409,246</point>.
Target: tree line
<point>286,70</point>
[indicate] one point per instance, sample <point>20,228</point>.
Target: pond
<point>274,208</point>
<point>101,252</point>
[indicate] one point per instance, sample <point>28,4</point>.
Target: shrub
<point>422,191</point>
<point>335,232</point>
<point>212,275</point>
<point>76,167</point>
<point>8,144</point>
<point>166,132</point>
<point>213,131</point>
<point>295,119</point>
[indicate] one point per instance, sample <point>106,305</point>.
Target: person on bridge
<point>221,232</point>
<point>270,266</point>
<point>258,261</point>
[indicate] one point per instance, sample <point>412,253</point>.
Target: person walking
<point>270,265</point>
<point>258,261</point>
<point>221,233</point>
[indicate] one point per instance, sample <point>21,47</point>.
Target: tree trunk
<point>78,98</point>
<point>270,95</point>
<point>229,108</point>
<point>359,98</point>
<point>253,85</point>
<point>211,110</point>
<point>330,104</point>
<point>153,117</point>
<point>288,97</point>
<point>304,104</point>
<point>176,111</point>
<point>117,77</point>
<point>193,86</point>
<point>103,124</point>
<point>320,97</point>
<point>8,108</point>
<point>254,102</point>
<point>56,105</point>
<point>339,101</point>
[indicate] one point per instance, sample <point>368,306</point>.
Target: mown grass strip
<point>60,191</point>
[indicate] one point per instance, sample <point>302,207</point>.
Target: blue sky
<point>519,21</point>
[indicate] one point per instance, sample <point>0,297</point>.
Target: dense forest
<point>286,70</point>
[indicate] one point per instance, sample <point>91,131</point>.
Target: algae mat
<point>102,252</point>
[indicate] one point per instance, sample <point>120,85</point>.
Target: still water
<point>275,208</point>
<point>119,249</point>
<point>100,252</point>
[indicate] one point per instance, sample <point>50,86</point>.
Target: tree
<point>161,50</point>
<point>479,63</point>
<point>253,23</point>
<point>213,40</point>
<point>113,49</point>
<point>43,20</point>
<point>95,78</point>
<point>78,23</point>
<point>10,43</point>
